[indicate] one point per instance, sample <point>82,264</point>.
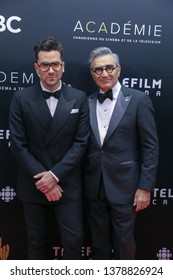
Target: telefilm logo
<point>162,196</point>
<point>5,137</point>
<point>15,80</point>
<point>127,32</point>
<point>10,24</point>
<point>148,85</point>
<point>59,252</point>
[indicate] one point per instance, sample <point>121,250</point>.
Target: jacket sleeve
<point>18,137</point>
<point>149,144</point>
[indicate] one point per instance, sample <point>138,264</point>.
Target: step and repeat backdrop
<point>141,33</point>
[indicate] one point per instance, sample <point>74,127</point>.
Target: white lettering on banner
<point>120,40</point>
<point>142,83</point>
<point>5,137</point>
<point>126,29</point>
<point>15,76</point>
<point>59,251</point>
<point>86,251</point>
<point>162,196</point>
<point>163,193</point>
<point>4,134</point>
<point>164,202</point>
<point>7,24</point>
<point>85,38</point>
<point>8,88</point>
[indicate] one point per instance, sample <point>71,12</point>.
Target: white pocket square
<point>74,111</point>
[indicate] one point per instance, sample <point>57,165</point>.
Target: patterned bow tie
<point>48,94</point>
<point>102,96</point>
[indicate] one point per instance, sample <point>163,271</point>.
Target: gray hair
<point>100,51</point>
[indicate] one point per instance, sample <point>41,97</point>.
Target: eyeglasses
<point>56,66</point>
<point>108,68</point>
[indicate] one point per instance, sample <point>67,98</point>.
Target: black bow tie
<point>102,96</point>
<point>48,94</point>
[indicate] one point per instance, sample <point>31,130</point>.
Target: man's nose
<point>51,69</point>
<point>105,73</point>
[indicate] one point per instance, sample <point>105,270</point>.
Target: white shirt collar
<point>115,90</point>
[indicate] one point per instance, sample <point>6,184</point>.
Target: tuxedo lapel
<point>39,108</point>
<point>50,126</point>
<point>93,119</point>
<point>62,112</point>
<point>119,110</point>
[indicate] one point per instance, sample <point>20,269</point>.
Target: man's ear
<point>36,69</point>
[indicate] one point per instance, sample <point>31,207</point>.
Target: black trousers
<point>112,229</point>
<point>69,222</point>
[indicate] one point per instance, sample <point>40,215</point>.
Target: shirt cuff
<point>56,178</point>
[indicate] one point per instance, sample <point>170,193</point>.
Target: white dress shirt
<point>104,111</point>
<point>52,101</point>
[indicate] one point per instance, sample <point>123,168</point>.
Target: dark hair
<point>48,44</point>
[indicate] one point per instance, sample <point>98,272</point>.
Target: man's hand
<point>142,199</point>
<point>45,181</point>
<point>47,184</point>
<point>54,194</point>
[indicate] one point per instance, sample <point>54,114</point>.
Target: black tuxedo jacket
<point>41,143</point>
<point>128,157</point>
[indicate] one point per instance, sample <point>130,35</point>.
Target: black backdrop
<point>140,32</point>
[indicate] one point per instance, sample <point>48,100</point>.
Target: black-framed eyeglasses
<point>109,68</point>
<point>56,66</point>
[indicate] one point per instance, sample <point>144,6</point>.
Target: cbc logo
<point>9,24</point>
<point>164,254</point>
<point>7,194</point>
